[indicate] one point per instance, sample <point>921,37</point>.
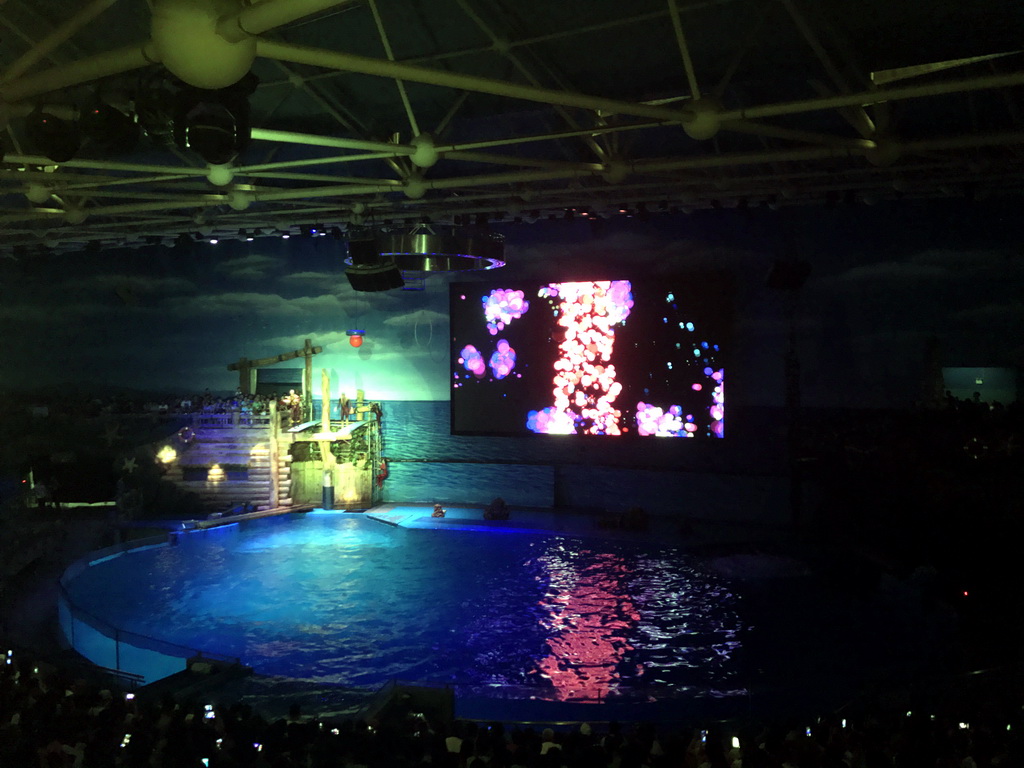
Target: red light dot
<point>965,593</point>
<point>355,341</point>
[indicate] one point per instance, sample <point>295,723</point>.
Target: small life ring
<point>186,436</point>
<point>976,448</point>
<point>382,473</point>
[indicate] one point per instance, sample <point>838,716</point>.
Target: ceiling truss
<point>545,147</point>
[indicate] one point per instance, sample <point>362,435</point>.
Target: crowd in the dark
<point>52,719</point>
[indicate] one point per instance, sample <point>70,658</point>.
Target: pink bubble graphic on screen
<point>472,360</point>
<point>717,409</point>
<point>584,385</point>
<point>548,421</point>
<point>503,360</point>
<point>653,420</point>
<point>502,306</point>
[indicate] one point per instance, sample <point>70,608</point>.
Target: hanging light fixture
<point>53,137</point>
<point>215,123</point>
<point>381,259</point>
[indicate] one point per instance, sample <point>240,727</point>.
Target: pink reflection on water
<point>591,616</point>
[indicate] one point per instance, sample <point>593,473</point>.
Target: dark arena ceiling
<point>348,113</point>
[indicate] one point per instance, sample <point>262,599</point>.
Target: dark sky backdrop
<point>884,279</point>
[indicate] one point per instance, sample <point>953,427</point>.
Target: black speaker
<point>375,277</point>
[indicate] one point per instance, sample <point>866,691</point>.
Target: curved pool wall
<point>509,617</point>
<point>114,648</point>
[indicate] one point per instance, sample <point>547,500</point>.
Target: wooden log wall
<point>251,452</point>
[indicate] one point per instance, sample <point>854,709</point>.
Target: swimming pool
<point>340,598</point>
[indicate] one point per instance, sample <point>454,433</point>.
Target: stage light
<point>53,137</point>
<point>212,131</point>
<point>215,124</point>
<point>109,130</point>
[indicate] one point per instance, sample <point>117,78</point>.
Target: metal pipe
<point>61,34</point>
<point>117,209</point>
<point>317,161</point>
<point>529,162</point>
<point>292,137</point>
<point>435,184</point>
<point>747,158</point>
<point>574,32</point>
<point>499,45</point>
<point>391,57</point>
<point>101,65</point>
<point>508,142</point>
<point>318,57</point>
<point>792,134</point>
<point>106,165</point>
<point>265,16</point>
<point>859,118</point>
<point>879,96</point>
<point>684,49</point>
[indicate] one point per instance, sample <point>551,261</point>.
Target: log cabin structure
<point>267,461</point>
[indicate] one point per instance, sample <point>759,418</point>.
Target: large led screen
<point>627,357</point>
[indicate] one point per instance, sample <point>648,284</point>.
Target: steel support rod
<point>684,49</point>
<point>318,57</point>
<point>269,14</point>
<point>108,165</point>
<point>859,118</point>
<point>391,57</point>
<point>61,34</point>
<point>879,96</point>
<point>291,137</point>
<point>86,70</point>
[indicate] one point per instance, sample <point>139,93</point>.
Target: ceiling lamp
<point>109,130</point>
<point>215,124</point>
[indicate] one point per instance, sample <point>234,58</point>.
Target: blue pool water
<point>339,598</point>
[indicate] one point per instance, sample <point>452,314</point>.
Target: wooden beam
<point>306,352</point>
<point>247,369</point>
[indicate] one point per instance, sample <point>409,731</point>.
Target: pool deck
<point>691,536</point>
<point>464,518</point>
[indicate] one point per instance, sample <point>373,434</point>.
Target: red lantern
<point>355,337</point>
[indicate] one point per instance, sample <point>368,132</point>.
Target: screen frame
<point>705,287</point>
